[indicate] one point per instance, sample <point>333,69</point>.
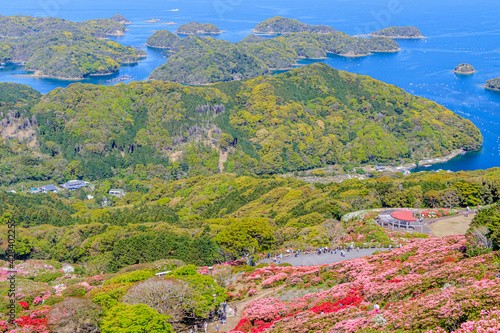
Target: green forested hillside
<point>62,48</point>
<point>283,25</point>
<point>19,26</point>
<point>306,118</point>
<point>193,28</point>
<point>181,219</point>
<point>198,60</point>
<point>398,32</point>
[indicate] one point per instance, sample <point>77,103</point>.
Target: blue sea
<point>457,30</point>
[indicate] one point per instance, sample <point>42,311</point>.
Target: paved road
<point>324,258</point>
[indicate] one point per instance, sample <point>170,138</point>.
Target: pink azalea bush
<point>427,285</point>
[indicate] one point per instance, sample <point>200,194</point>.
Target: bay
<point>459,31</point>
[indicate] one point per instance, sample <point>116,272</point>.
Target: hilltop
<point>163,39</point>
<point>198,60</point>
<point>283,25</point>
<point>196,28</point>
<point>399,33</point>
<point>71,50</point>
<point>120,19</point>
<point>306,118</point>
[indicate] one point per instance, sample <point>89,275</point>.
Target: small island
<point>493,84</point>
<point>464,69</point>
<point>279,25</point>
<point>120,19</point>
<point>162,39</point>
<point>196,28</point>
<point>399,33</point>
<point>152,21</point>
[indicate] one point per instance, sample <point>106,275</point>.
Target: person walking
<point>217,328</point>
<point>268,255</point>
<point>235,310</point>
<point>205,326</point>
<point>195,328</point>
<point>224,305</point>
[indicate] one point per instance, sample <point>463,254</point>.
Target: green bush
<point>130,277</point>
<point>124,318</point>
<point>52,299</point>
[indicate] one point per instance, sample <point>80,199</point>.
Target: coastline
<point>49,77</point>
<point>443,159</point>
<point>393,37</point>
<point>490,88</point>
<point>464,73</point>
<point>198,33</point>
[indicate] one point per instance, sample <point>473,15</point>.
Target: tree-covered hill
<point>198,60</point>
<point>399,33</point>
<point>57,48</point>
<point>194,28</point>
<point>306,118</point>
<point>18,26</point>
<point>283,25</point>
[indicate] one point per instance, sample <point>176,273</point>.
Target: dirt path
<point>231,322</point>
<point>453,225</point>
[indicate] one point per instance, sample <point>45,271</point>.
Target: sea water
<point>457,30</point>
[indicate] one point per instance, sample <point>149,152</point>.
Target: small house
<point>74,185</point>
<point>379,168</point>
<point>117,193</point>
<point>49,188</point>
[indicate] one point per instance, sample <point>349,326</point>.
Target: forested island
<point>493,84</point>
<point>200,60</point>
<point>399,33</point>
<point>57,48</point>
<point>464,69</point>
<point>196,28</point>
<point>310,117</point>
<point>279,25</point>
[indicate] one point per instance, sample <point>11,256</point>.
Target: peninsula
<point>493,84</point>
<point>464,69</point>
<point>279,25</point>
<point>399,33</point>
<point>196,28</point>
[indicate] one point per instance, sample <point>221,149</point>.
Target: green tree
<point>140,318</point>
<point>246,237</point>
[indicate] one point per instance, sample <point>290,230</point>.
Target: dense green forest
<point>198,60</point>
<point>283,25</point>
<point>192,219</point>
<point>398,32</point>
<point>19,26</point>
<point>193,28</point>
<point>58,48</point>
<point>307,118</point>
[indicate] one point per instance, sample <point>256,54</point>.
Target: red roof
<point>403,216</point>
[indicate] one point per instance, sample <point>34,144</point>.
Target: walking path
<point>314,259</point>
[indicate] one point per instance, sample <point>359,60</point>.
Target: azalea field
<point>428,285</point>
